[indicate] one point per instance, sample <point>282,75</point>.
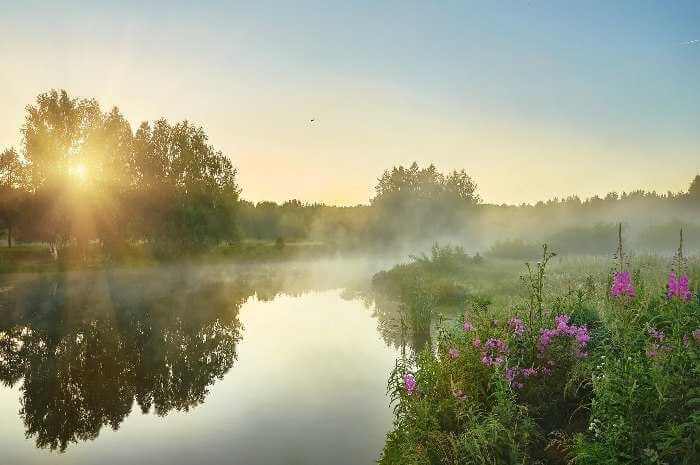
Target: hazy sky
<point>535,99</point>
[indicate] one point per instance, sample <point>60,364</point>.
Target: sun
<point>79,172</point>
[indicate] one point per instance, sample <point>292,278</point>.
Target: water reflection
<point>84,349</point>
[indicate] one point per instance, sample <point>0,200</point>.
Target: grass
<point>617,383</point>
<point>36,258</point>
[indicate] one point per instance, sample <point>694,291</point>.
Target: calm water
<point>182,366</point>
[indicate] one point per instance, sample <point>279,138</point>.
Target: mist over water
<point>209,364</point>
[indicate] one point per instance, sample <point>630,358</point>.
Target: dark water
<point>183,366</point>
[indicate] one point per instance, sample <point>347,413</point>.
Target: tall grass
<point>566,372</point>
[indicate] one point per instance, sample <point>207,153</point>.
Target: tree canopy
<point>88,176</point>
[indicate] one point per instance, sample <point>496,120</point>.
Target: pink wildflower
<point>476,343</point>
<point>546,337</point>
<point>561,322</point>
<point>678,286</point>
<point>468,326</point>
<point>582,335</point>
<point>409,383</point>
<point>622,285</point>
<point>454,353</point>
<point>517,325</point>
<point>493,351</point>
<point>497,345</point>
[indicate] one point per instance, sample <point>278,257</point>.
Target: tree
<point>56,130</point>
<point>13,190</point>
<point>186,190</point>
<point>422,202</point>
<point>92,178</point>
<point>694,189</point>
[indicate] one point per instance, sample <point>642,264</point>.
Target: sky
<point>535,99</point>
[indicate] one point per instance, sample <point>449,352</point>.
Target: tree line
<point>83,175</point>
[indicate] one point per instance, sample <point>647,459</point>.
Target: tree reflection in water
<point>85,349</point>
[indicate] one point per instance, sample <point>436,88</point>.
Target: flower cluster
<point>493,352</point>
<point>678,286</point>
<point>656,349</point>
<point>517,376</point>
<point>517,326</point>
<point>410,384</point>
<point>468,326</point>
<point>562,328</point>
<point>453,353</point>
<point>622,285</point>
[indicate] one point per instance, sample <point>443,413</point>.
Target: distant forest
<point>83,176</point>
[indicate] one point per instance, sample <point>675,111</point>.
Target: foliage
<point>85,176</point>
<point>583,375</point>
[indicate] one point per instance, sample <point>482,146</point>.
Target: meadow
<point>577,359</point>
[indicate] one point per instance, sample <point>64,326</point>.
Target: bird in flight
<point>691,42</point>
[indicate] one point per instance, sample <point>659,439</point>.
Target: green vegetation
<point>94,189</point>
<point>587,362</point>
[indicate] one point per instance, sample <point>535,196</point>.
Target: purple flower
<point>678,287</point>
<point>409,383</point>
<point>529,372</point>
<point>622,285</point>
<point>454,353</point>
<point>561,322</point>
<point>657,334</point>
<point>655,350</point>
<point>546,337</point>
<point>493,351</point>
<point>563,328</point>
<point>468,326</point>
<point>517,325</point>
<point>511,375</point>
<point>496,345</point>
<point>476,343</point>
<point>582,335</point>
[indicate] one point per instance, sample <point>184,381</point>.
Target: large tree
<point>93,178</point>
<point>187,190</point>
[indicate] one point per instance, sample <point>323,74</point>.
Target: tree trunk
<point>9,236</point>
